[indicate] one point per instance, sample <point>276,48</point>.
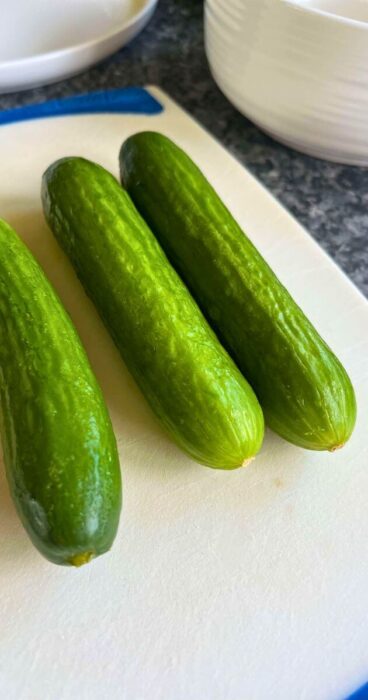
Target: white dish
<point>246,585</point>
<point>297,68</point>
<point>42,42</point>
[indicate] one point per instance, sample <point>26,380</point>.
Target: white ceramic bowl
<point>43,41</point>
<point>297,68</point>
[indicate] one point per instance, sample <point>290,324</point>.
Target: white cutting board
<point>247,585</point>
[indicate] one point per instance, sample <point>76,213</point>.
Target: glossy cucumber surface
<point>305,392</point>
<point>59,448</point>
<point>188,379</point>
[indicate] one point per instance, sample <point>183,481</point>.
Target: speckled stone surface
<point>330,200</point>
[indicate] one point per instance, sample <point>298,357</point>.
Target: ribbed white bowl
<point>296,70</point>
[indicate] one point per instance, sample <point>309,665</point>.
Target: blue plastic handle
<point>361,694</point>
<point>121,101</point>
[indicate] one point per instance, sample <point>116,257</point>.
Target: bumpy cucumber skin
<point>59,448</point>
<point>305,392</point>
<point>188,379</point>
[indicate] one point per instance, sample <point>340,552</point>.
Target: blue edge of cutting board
<point>361,694</point>
<point>132,100</point>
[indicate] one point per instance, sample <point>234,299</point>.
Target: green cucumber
<point>305,393</point>
<point>59,448</point>
<point>188,379</point>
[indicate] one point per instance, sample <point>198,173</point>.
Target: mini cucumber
<point>306,394</point>
<point>188,379</point>
<point>59,448</point>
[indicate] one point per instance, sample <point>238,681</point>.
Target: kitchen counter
<point>330,200</point>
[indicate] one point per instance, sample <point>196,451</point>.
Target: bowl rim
<point>330,16</point>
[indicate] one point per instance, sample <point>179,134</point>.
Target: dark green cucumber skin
<point>305,392</point>
<point>188,379</point>
<point>59,448</point>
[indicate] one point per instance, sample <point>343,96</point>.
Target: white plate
<point>43,41</point>
<point>247,585</point>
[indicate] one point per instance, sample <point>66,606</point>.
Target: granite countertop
<point>330,200</point>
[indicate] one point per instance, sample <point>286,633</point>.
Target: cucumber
<point>188,379</point>
<point>59,448</point>
<point>305,393</point>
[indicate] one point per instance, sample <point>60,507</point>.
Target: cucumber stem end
<point>337,447</point>
<point>81,559</point>
<point>247,461</point>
